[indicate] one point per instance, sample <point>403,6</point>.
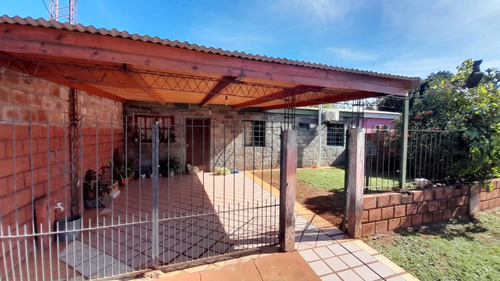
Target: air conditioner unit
<point>330,116</point>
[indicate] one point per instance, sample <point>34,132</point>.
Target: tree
<point>471,116</point>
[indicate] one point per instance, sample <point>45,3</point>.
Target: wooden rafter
<point>278,95</point>
<point>217,89</point>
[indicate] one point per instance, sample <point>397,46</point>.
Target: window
<point>255,133</point>
<point>304,126</point>
<point>335,135</point>
<point>144,125</point>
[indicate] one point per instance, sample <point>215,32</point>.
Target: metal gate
<point>90,201</point>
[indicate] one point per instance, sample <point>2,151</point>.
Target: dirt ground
<point>327,204</point>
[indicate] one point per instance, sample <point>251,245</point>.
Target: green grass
<point>459,250</point>
<point>333,179</point>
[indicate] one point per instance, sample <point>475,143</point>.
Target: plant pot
<point>172,173</point>
<point>123,181</point>
<point>68,228</point>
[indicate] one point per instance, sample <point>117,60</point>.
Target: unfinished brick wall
<point>34,145</point>
<point>387,212</point>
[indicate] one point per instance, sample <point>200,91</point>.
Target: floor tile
<point>323,252</point>
<point>364,257</point>
<point>320,267</point>
<point>366,273</point>
<point>330,277</point>
<point>351,247</point>
<point>337,249</point>
<point>381,269</point>
<point>349,275</point>
<point>350,260</point>
<point>309,255</point>
<point>336,264</point>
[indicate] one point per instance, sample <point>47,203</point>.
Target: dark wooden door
<point>198,143</point>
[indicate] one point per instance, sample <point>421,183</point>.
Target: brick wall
<point>34,144</point>
<point>387,212</point>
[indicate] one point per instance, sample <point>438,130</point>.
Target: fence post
<point>404,143</point>
<point>288,169</point>
<point>155,155</point>
<point>356,180</point>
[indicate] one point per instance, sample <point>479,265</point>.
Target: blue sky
<point>412,38</point>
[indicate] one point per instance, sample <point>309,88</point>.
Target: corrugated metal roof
<point>184,45</point>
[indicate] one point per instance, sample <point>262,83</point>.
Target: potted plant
<point>123,169</point>
<point>96,190</point>
<point>169,166</point>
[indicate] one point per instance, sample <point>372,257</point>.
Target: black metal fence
<point>87,200</point>
<point>432,157</point>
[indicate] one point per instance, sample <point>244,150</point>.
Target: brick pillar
<point>288,179</point>
<point>356,182</point>
<point>474,193</point>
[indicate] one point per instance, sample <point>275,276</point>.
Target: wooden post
<point>404,143</point>
<point>288,178</point>
<point>356,175</point>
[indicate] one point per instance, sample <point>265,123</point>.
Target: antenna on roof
<point>59,11</point>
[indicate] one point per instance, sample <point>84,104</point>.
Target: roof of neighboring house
<point>123,66</point>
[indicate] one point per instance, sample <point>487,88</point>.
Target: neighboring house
<point>71,94</point>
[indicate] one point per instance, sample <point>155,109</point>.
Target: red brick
<point>369,202</point>
<point>457,191</point>
<point>406,198</point>
<point>381,226</point>
<point>375,214</point>
<point>395,199</point>
<point>446,214</point>
<point>437,216</point>
<point>452,202</point>
<point>387,213</point>
<point>416,220</point>
<point>439,193</point>
<point>443,204</point>
<point>462,200</point>
<point>406,221</point>
<point>465,189</point>
<point>433,206</point>
<point>411,209</point>
<point>418,195</point>
<point>483,196</point>
<point>364,218</point>
<point>423,207</point>
<point>394,224</point>
<point>383,200</point>
<point>427,218</point>
<point>400,211</point>
<point>368,229</point>
<point>447,191</point>
<point>481,206</point>
<point>428,194</point>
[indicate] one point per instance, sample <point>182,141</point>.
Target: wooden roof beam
<point>226,80</point>
<point>288,92</point>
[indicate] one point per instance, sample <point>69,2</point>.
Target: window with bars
<point>304,126</point>
<point>335,135</point>
<point>255,133</point>
<point>144,125</point>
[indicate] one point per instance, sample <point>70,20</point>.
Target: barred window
<point>335,135</point>
<point>144,125</point>
<point>304,126</point>
<point>255,133</point>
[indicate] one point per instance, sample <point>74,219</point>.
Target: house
<point>70,95</point>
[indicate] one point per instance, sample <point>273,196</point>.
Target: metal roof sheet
<point>156,40</point>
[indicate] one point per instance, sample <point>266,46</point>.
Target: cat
<point>193,170</point>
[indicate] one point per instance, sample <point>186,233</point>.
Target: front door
<point>198,143</point>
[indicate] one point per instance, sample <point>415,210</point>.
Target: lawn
<point>333,179</point>
<point>463,249</point>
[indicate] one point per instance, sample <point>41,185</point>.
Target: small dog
<point>193,170</point>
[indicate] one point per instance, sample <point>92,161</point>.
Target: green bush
<point>222,171</point>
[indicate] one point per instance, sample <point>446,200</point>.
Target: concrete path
<point>323,252</point>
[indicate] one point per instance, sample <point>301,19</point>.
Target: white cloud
<point>350,54</point>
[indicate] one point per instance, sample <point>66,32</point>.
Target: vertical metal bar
<point>404,144</point>
<point>346,180</point>
<point>32,198</point>
<point>155,161</point>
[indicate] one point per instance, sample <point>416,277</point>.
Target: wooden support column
<point>356,175</point>
<point>288,181</point>
<point>404,144</point>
